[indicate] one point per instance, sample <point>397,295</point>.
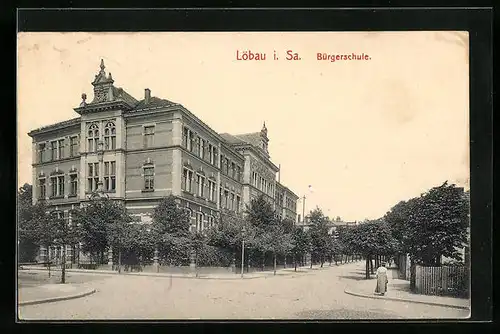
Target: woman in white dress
<point>382,280</point>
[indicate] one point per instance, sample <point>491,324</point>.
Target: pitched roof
<point>251,138</point>
<point>231,139</point>
<point>58,125</point>
<point>120,93</point>
<point>154,102</point>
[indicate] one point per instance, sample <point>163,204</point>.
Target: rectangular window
<point>91,145</point>
<point>232,207</point>
<point>187,180</point>
<point>92,176</point>
<point>57,185</point>
<point>202,148</point>
<point>60,149</point>
<point>221,161</point>
<point>60,185</point>
<point>211,190</point>
<point>238,173</point>
<point>201,185</point>
<point>221,197</point>
<point>185,137</point>
<point>41,152</point>
<point>189,140</point>
<point>149,132</point>
<point>73,184</point>
<point>226,199</point>
<point>53,150</point>
<point>238,200</point>
<point>233,170</point>
<point>42,185</point>
<point>73,146</point>
<point>199,221</point>
<point>149,178</point>
<point>214,156</point>
<point>226,166</point>
<point>110,175</point>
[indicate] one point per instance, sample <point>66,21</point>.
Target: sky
<point>365,134</point>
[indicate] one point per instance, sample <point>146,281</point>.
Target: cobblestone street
<point>317,294</point>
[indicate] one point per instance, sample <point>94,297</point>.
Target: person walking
<point>382,280</point>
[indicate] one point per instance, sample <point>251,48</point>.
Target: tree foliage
<point>101,224</point>
<point>320,240</point>
<point>170,227</point>
<point>431,225</point>
<point>27,218</point>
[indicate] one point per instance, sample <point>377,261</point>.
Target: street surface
<point>317,294</point>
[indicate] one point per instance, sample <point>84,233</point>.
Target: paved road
<point>313,295</point>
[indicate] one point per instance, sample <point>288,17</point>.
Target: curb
<point>290,273</point>
<point>405,300</point>
<point>171,276</point>
<point>56,299</point>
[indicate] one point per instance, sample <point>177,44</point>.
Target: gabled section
<point>106,95</point>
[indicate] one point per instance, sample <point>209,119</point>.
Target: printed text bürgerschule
<point>249,55</point>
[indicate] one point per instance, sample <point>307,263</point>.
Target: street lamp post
<point>243,230</point>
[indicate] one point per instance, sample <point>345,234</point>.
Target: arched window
<point>93,137</point>
<point>110,136</point>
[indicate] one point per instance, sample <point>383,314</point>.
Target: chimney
<point>147,95</point>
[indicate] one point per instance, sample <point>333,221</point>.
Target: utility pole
<point>243,230</point>
<point>304,209</point>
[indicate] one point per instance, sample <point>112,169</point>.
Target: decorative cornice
<point>103,106</point>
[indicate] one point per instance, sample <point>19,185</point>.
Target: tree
<point>300,244</point>
<point>369,239</point>
<point>171,228</point>
<point>27,221</point>
<point>101,225</point>
<point>261,220</point>
<point>138,244</point>
<point>432,225</point>
<point>117,230</point>
<point>319,235</point>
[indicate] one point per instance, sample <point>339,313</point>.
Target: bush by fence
<point>443,281</point>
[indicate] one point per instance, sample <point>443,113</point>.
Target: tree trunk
<point>284,263</point>
<point>295,261</point>
<point>263,260</point>
<point>48,257</point>
<point>322,260</point>
<point>413,275</point>
<point>371,265</point>
<point>367,268</point>
<point>311,260</point>
<point>63,268</point>
<point>274,263</point>
<point>119,260</point>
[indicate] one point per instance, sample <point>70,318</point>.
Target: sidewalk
<point>220,276</point>
<point>399,290</point>
<point>51,293</point>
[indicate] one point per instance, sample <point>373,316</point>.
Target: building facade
<point>140,151</point>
